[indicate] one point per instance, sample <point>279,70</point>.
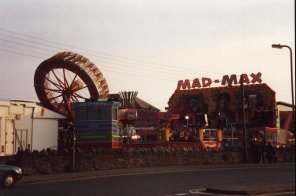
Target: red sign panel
<point>127,114</point>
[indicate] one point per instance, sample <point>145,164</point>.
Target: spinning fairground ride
<point>66,78</point>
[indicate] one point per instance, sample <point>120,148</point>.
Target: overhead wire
<point>21,49</point>
<point>109,59</point>
<point>26,45</point>
<point>107,69</point>
<point>154,71</point>
<point>104,61</point>
<point>178,71</point>
<point>108,56</point>
<point>28,55</point>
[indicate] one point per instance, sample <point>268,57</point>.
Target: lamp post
<point>187,119</point>
<point>279,46</point>
<point>244,120</point>
<point>71,130</point>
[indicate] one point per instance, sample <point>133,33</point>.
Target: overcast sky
<point>148,45</point>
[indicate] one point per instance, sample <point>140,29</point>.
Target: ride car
<point>9,175</point>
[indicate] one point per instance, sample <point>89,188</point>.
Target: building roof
<point>139,103</point>
<point>283,103</point>
<point>16,107</point>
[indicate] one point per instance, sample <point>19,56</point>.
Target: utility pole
<point>74,149</point>
<point>244,119</point>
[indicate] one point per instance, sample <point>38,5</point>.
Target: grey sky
<point>182,39</point>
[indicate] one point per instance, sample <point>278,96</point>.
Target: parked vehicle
<point>9,175</point>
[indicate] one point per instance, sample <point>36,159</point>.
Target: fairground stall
<point>203,111</point>
<point>138,119</point>
<point>229,104</point>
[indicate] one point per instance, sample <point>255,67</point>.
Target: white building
<point>27,125</point>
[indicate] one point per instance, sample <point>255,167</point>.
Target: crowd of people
<point>132,134</point>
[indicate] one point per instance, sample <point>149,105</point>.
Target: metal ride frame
<point>68,77</point>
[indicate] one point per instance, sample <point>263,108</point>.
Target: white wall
<point>281,108</point>
<point>45,128</point>
<point>45,134</point>
<point>24,127</point>
<point>36,127</point>
<point>7,138</point>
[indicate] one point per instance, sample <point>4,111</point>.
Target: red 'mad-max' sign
<point>227,80</point>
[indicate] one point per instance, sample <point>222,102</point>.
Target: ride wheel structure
<point>66,78</point>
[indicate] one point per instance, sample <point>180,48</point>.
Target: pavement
<point>249,189</point>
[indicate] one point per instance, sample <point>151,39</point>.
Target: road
<point>181,180</point>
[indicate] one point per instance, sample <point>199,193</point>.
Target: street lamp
<point>279,46</point>
<point>187,119</point>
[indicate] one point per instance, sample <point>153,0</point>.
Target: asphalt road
<point>161,181</point>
